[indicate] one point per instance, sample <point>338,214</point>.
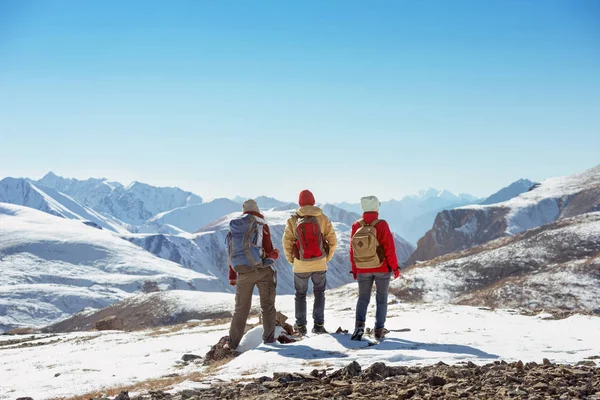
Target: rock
<point>285,339</point>
<point>587,363</point>
<point>289,329</point>
<point>540,387</point>
<point>519,365</point>
<point>546,362</point>
<point>346,391</point>
<point>436,381</point>
<point>271,384</point>
<point>280,319</point>
<point>318,374</point>
<point>339,383</point>
<point>189,393</point>
<point>24,398</point>
<point>219,351</point>
<point>340,330</point>
<point>351,370</point>
<point>407,394</point>
<point>111,323</point>
<point>57,375</point>
<point>264,379</point>
<point>191,357</point>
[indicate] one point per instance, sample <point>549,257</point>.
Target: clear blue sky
<point>270,97</point>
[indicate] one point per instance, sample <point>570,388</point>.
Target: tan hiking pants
<point>266,281</point>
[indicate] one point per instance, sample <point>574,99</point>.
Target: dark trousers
<point>365,285</point>
<point>319,280</point>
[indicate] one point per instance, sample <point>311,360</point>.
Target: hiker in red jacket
<point>373,258</point>
<point>263,277</point>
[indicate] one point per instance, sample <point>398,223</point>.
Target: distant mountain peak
<point>513,190</point>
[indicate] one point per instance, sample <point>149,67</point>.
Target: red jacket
<point>266,243</point>
<point>385,238</point>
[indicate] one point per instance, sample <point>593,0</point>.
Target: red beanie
<point>306,198</point>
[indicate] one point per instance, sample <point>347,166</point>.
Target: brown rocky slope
<point>556,266</point>
<point>465,227</point>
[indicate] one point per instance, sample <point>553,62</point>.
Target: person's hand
<point>396,273</point>
<point>232,282</point>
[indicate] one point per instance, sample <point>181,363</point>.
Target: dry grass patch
<point>315,363</point>
<point>216,365</point>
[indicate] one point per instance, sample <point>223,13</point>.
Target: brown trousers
<point>266,281</point>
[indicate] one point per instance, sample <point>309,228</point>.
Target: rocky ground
<point>499,380</point>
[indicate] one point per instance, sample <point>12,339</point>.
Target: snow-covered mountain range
<point>93,242</point>
<point>133,204</point>
<point>23,192</point>
<point>465,227</point>
<point>53,267</point>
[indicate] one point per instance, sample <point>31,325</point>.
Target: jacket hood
<point>311,211</point>
<point>370,216</point>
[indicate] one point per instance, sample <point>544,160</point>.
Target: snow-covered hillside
<point>53,267</point>
<point>509,192</point>
<point>555,198</point>
<point>205,251</point>
<point>133,204</point>
<point>192,217</point>
<point>22,192</point>
<point>57,366</point>
<point>556,266</point>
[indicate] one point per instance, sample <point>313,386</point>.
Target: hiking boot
<point>301,329</point>
<point>358,333</point>
<point>380,333</point>
<point>319,329</point>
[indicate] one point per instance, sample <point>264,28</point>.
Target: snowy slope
<point>23,192</point>
<point>133,204</point>
<point>53,267</point>
<point>192,217</point>
<point>555,198</point>
<point>79,363</point>
<point>509,192</point>
<point>556,266</point>
<point>205,251</point>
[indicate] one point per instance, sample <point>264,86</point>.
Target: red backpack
<point>310,244</point>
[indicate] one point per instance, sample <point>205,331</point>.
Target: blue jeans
<point>319,280</point>
<point>365,284</point>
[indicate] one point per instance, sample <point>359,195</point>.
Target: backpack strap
<point>362,222</point>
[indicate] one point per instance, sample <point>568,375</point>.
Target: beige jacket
<point>289,239</point>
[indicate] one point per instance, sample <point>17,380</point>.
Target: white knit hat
<point>370,203</point>
<point>250,205</point>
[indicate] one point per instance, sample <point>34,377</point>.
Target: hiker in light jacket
<point>262,275</point>
<point>309,243</point>
<point>373,258</point>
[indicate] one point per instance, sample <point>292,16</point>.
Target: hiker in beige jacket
<point>309,243</point>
